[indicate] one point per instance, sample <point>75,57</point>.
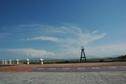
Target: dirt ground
<point>30,67</point>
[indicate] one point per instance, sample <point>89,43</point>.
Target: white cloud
<point>75,37</point>
<point>98,51</point>
<point>46,38</point>
<point>69,38</point>
<point>30,52</point>
<point>69,34</point>
<point>107,50</point>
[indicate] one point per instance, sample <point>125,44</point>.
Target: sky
<point>58,29</point>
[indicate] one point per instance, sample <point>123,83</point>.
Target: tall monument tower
<point>83,56</point>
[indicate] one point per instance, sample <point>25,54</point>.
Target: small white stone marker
<point>28,61</point>
<point>41,61</point>
<point>5,61</point>
<point>17,60</point>
<point>10,61</point>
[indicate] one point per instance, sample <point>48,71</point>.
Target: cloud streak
<point>45,38</point>
<point>67,41</point>
<point>70,39</point>
<point>107,50</point>
<point>68,34</point>
<point>30,52</point>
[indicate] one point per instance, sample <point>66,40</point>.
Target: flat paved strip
<point>79,69</point>
<point>117,77</point>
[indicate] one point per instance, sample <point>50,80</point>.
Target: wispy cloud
<point>68,38</point>
<point>107,50</point>
<point>67,41</point>
<point>45,38</point>
<point>30,52</point>
<point>68,34</point>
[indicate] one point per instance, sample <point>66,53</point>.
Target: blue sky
<point>58,28</point>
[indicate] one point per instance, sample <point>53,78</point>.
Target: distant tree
<point>122,57</point>
<point>101,60</point>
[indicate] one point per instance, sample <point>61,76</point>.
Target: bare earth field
<point>75,67</point>
<point>80,73</point>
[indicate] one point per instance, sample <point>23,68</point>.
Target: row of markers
<point>17,61</point>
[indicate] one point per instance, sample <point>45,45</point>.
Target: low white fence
<point>18,61</point>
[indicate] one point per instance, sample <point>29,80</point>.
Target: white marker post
<point>17,60</point>
<point>10,61</point>
<point>28,61</point>
<point>5,61</point>
<point>41,61</point>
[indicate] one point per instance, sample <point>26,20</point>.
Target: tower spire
<point>83,56</point>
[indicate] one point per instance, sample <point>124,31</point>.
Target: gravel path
<point>116,77</point>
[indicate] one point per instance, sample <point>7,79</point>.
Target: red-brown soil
<point>29,68</point>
